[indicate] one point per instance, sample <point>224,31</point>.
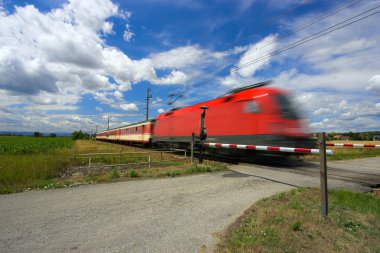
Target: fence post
<point>149,161</point>
<point>89,161</point>
<point>162,158</point>
<point>323,174</point>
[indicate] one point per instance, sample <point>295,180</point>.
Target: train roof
<point>239,94</point>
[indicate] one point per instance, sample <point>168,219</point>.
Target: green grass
<point>291,222</point>
<point>20,171</point>
<point>10,145</point>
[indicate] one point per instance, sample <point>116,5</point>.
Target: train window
<point>252,107</point>
<point>286,107</point>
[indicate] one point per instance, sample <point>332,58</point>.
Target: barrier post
<point>323,174</point>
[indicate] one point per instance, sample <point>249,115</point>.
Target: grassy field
<point>37,162</point>
<point>16,145</point>
<point>344,153</point>
<point>291,222</point>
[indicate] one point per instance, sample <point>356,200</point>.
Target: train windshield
<point>286,107</point>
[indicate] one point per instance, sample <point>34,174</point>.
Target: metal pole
<point>201,153</point>
<point>192,147</point>
<point>202,132</point>
<point>323,174</point>
<point>148,96</point>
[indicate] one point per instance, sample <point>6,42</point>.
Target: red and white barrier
<point>266,148</point>
<point>352,145</point>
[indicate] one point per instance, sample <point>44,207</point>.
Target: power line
<point>310,37</point>
<point>319,34</point>
<point>303,27</point>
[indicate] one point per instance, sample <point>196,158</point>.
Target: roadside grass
<point>291,222</point>
<point>42,170</point>
<point>345,153</point>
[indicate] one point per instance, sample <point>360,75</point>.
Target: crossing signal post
<point>203,133</point>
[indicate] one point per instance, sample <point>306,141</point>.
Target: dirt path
<point>161,215</point>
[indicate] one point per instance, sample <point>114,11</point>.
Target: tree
<point>38,134</point>
<point>52,135</point>
<point>79,135</point>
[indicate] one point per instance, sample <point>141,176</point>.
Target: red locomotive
<point>254,115</point>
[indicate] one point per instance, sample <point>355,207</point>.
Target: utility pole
<point>108,128</point>
<point>148,96</point>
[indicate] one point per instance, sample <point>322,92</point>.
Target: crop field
<point>38,162</point>
<point>32,145</point>
<point>27,161</point>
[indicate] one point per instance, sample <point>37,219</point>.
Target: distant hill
<point>30,133</point>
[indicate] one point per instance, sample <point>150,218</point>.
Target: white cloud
<point>156,101</point>
<point>127,36</point>
<point>374,84</point>
<point>60,53</point>
<point>98,109</point>
<point>129,107</point>
<point>335,77</point>
<point>115,100</point>
<point>179,57</point>
<point>175,77</point>
<point>117,94</point>
<point>160,110</point>
<point>255,57</point>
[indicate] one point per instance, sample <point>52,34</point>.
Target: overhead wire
<point>309,38</point>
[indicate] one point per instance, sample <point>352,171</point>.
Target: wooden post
<point>323,174</point>
<point>162,158</point>
<point>149,161</point>
<point>89,161</point>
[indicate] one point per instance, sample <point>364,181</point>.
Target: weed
<point>133,173</point>
<point>114,173</point>
<point>296,226</point>
<point>174,173</point>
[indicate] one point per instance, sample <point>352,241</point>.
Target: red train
<point>254,115</point>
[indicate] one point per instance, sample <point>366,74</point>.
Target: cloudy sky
<point>68,65</point>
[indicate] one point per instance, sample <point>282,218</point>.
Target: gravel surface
<point>181,214</point>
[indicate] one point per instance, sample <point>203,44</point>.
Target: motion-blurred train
<point>255,114</point>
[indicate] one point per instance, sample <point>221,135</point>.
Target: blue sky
<point>68,65</point>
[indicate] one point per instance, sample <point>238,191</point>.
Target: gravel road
<point>159,215</point>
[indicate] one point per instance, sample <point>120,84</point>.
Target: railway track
<point>312,169</point>
<point>291,165</point>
